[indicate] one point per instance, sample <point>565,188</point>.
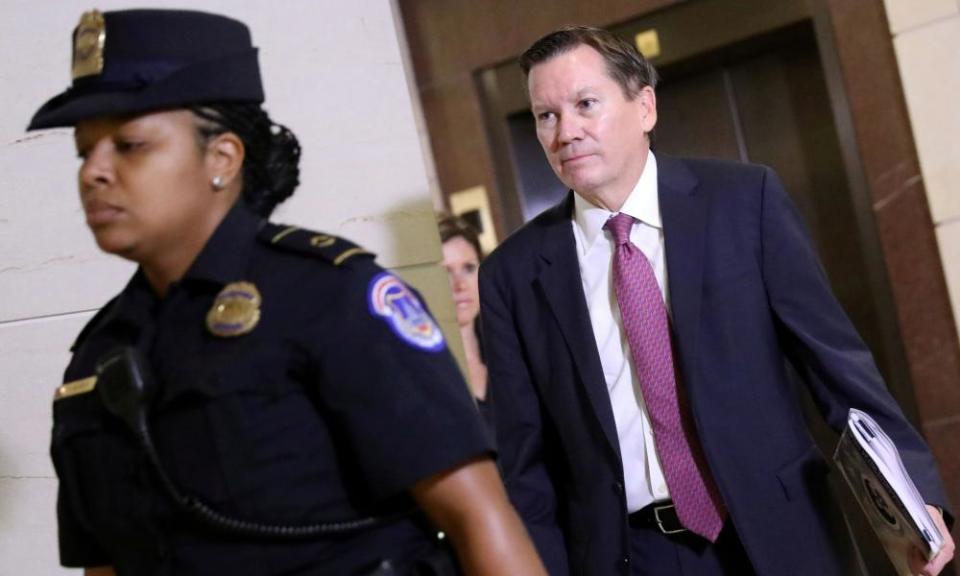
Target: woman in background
<point>461,258</point>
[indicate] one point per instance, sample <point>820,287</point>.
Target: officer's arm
<point>470,505</point>
<point>100,571</point>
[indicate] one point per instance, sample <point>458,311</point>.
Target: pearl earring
<point>217,182</point>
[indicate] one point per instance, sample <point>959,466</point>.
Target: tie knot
<point>620,226</point>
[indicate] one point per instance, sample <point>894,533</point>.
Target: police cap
<point>134,61</point>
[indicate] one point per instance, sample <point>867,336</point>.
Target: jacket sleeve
<point>519,426</point>
<point>823,344</point>
<point>397,399</point>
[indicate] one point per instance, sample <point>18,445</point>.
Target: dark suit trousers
<point>655,554</point>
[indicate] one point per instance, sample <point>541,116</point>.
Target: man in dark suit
<point>637,336</point>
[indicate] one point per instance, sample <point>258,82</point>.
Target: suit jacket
<point>747,294</point>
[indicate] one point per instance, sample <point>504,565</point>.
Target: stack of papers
<point>872,467</point>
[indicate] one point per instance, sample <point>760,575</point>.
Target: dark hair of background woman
<point>271,165</point>
<point>452,226</point>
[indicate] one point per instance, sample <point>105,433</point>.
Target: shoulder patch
<point>333,249</point>
<point>393,301</point>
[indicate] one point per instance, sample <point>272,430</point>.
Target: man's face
<point>593,136</point>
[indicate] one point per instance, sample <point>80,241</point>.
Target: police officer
<point>258,399</point>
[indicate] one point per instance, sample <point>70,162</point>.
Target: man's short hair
<point>624,63</point>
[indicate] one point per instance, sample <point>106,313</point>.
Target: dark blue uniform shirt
<point>326,410</point>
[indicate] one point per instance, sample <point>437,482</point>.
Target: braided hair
<point>271,165</point>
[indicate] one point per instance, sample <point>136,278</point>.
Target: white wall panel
<point>929,60</point>
<point>28,545</point>
<point>33,354</point>
<point>905,14</point>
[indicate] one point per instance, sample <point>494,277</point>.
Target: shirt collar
<point>222,260</point>
<point>134,305</point>
<point>224,257</point>
<point>642,204</point>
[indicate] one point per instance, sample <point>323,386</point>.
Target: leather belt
<point>661,516</point>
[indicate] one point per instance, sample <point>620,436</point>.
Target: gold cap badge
<point>235,311</point>
<point>88,41</point>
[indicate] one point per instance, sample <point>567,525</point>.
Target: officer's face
<point>462,263</point>
<point>145,185</point>
<point>593,136</point>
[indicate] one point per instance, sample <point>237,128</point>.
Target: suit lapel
<point>683,210</point>
<point>559,280</point>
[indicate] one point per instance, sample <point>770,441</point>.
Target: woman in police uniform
<point>293,396</point>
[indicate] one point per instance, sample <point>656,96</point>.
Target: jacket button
<point>626,560</point>
<point>618,487</point>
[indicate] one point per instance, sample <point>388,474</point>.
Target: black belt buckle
<point>667,520</point>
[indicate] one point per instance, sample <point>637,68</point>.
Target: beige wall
<point>334,72</point>
<point>926,36</point>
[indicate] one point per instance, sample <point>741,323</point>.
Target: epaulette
<point>93,323</point>
<point>331,248</point>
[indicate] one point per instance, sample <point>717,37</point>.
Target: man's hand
<point>918,562</point>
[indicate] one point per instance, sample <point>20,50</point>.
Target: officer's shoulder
<point>327,248</point>
<point>93,323</point>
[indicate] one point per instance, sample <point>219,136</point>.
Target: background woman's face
<point>462,263</point>
<point>144,183</point>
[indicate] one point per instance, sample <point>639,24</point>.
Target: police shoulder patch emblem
<point>397,304</point>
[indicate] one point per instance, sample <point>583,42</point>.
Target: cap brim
<point>235,78</point>
<point>66,110</point>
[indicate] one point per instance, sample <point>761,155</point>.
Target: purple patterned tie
<point>644,315</point>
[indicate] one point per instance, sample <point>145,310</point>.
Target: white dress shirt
<point>642,472</point>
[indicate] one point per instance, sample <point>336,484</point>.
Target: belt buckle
<point>663,530</point>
